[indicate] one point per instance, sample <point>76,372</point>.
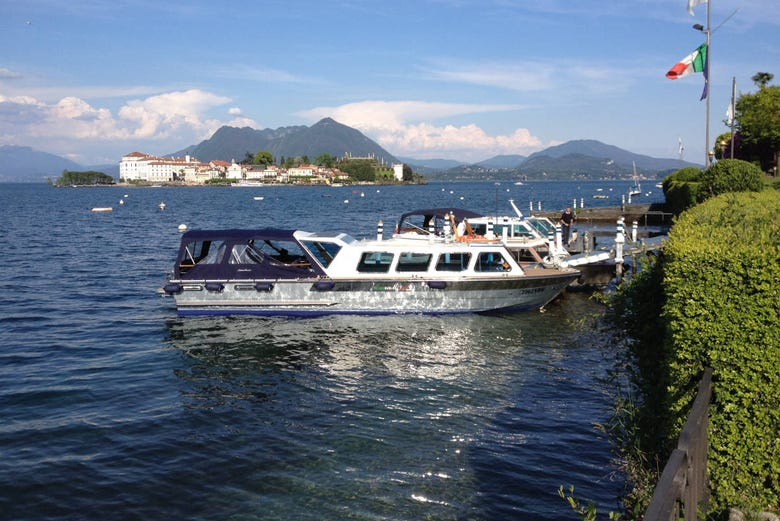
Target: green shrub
<point>689,173</point>
<point>730,175</point>
<point>722,287</point>
<point>680,189</point>
<point>681,195</point>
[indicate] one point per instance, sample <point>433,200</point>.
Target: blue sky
<point>459,79</point>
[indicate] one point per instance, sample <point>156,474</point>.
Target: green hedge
<point>730,175</point>
<point>722,285</point>
<point>681,189</point>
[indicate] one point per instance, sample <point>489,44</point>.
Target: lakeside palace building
<point>138,166</point>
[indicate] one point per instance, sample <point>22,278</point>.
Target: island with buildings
<point>141,168</point>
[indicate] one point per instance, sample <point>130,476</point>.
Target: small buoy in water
<point>362,194</point>
<point>125,195</point>
<point>182,227</point>
<point>162,206</point>
<point>462,198</point>
<point>346,201</point>
<point>121,201</point>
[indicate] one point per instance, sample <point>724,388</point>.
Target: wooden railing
<point>684,479</point>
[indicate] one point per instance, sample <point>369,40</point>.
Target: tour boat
<point>293,272</point>
<point>527,237</point>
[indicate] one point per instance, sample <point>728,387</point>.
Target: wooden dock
<point>644,214</point>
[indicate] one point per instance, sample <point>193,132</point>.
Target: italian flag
<point>694,62</point>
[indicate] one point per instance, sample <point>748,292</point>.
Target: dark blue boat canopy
<point>238,254</point>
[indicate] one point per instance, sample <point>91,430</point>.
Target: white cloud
<point>172,119</point>
<point>7,74</point>
<point>404,128</point>
<point>518,76</point>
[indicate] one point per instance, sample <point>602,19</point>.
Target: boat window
<point>413,262</point>
<point>375,262</point>
<point>543,227</point>
<point>453,261</point>
<point>288,253</point>
<point>491,261</point>
<point>323,251</point>
<point>421,224</point>
<point>246,254</point>
<point>522,231</point>
<point>202,252</point>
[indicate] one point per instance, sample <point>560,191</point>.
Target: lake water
<point>112,407</point>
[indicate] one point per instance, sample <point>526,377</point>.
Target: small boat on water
<point>297,273</point>
<point>635,189</point>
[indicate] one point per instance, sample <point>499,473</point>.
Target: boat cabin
<point>243,254</point>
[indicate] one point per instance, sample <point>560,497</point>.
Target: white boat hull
<point>404,296</point>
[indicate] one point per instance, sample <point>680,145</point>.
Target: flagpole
<point>733,111</point>
<point>707,86</point>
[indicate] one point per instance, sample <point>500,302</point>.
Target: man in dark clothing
<point>567,219</point>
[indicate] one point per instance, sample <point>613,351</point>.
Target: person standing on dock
<point>567,219</point>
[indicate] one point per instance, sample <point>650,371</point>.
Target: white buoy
<point>182,227</point>
<point>162,206</point>
<point>121,201</point>
<point>346,201</point>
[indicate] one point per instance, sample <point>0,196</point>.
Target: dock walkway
<point>644,214</point>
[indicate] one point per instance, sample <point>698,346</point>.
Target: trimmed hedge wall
<point>721,279</point>
<point>681,189</point>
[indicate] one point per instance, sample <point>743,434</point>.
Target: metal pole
<point>733,111</point>
<point>707,83</point>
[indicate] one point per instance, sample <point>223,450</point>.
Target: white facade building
<point>398,171</point>
<point>138,166</point>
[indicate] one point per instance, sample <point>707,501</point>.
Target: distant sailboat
<point>636,189</point>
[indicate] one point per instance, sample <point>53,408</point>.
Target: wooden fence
<point>684,479</point>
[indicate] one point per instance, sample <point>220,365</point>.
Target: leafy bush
<point>721,273</point>
<point>680,189</point>
<point>730,175</point>
<point>689,173</point>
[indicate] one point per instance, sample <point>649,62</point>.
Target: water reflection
<point>401,416</point>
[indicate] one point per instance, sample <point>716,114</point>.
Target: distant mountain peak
<point>325,136</point>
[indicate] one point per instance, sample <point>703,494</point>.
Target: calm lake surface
<point>112,407</point>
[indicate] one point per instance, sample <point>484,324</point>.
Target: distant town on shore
<point>141,168</point>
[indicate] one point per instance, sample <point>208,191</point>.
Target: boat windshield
<point>323,251</point>
<point>544,226</point>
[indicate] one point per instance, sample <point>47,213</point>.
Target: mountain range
<point>582,159</point>
<point>326,135</point>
